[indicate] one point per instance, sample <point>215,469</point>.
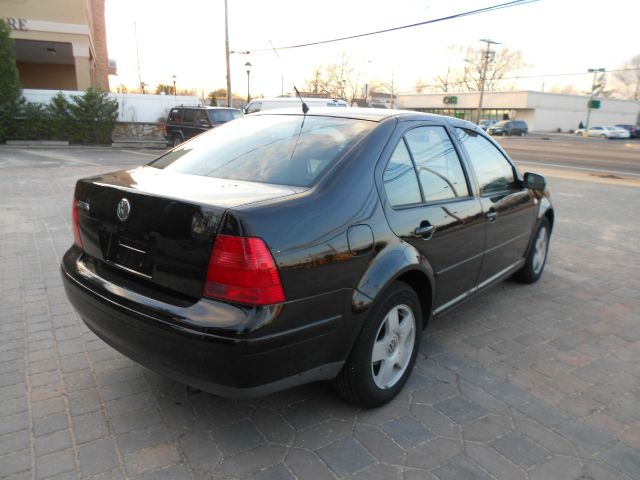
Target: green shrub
<point>59,117</point>
<point>93,116</point>
<point>33,123</point>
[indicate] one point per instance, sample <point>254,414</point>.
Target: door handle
<point>491,215</point>
<point>425,231</point>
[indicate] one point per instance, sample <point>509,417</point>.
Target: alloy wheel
<point>540,250</point>
<point>393,346</point>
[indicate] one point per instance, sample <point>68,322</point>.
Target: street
<point>534,382</point>
<point>617,157</point>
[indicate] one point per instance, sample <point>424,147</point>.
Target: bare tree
<point>467,76</point>
<point>450,81</point>
<point>336,80</point>
<point>501,63</point>
<point>567,90</point>
<point>626,82</point>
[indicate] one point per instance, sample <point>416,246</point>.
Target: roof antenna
<point>305,107</point>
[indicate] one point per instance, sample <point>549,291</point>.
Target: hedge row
<point>87,118</point>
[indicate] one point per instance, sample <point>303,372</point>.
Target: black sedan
<point>285,248</point>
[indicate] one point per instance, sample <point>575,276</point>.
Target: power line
<point>491,8</point>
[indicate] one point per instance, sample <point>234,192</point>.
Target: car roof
<point>371,114</point>
<point>205,107</point>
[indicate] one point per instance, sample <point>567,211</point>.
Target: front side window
<point>218,116</point>
<point>399,178</point>
<point>280,149</point>
<point>439,169</point>
<point>201,118</point>
<point>493,170</point>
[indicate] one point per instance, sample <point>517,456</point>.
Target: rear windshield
<point>279,149</point>
<point>216,116</point>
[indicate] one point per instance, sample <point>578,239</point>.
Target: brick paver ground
<point>523,382</point>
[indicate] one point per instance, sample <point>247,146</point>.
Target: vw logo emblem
<point>123,210</point>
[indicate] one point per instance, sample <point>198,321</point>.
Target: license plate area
<point>131,252</point>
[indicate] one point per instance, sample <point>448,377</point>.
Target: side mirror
<point>534,181</point>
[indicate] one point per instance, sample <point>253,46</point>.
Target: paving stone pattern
<point>524,382</point>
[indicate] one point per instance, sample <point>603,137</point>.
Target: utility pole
<point>487,53</point>
<point>226,51</point>
<point>593,87</point>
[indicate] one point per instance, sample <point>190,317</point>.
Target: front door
<point>508,207</point>
<point>429,205</point>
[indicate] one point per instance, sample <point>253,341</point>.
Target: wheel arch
<point>420,283</point>
<point>401,263</point>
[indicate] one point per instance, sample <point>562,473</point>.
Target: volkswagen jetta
<point>285,248</point>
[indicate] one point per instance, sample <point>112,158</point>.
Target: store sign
<point>450,100</point>
<point>19,24</point>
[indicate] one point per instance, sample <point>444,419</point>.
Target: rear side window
<point>399,178</point>
<point>439,170</point>
<point>174,115</point>
<point>280,149</point>
<point>493,170</point>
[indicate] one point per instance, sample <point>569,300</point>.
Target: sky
<point>186,38</point>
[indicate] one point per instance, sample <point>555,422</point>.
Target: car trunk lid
<point>157,226</point>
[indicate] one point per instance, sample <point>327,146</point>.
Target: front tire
<point>177,140</point>
<point>537,257</point>
<point>384,353</point>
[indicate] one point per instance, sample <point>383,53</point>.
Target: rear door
<point>202,122</point>
<point>188,123</point>
<point>508,207</point>
<point>429,205</point>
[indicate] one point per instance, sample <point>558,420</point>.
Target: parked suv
<point>185,122</point>
<point>509,127</point>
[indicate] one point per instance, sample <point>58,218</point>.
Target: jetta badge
<point>123,210</point>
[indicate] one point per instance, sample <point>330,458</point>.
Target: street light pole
<point>175,92</point>
<point>487,53</point>
<point>593,87</point>
<point>226,51</point>
<point>248,65</point>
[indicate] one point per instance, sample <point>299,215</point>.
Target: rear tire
<point>384,353</point>
<point>177,140</point>
<point>537,257</point>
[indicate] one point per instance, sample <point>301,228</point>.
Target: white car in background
<point>605,132</point>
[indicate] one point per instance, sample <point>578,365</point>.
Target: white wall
<point>553,110</point>
<point>544,112</point>
<point>132,107</point>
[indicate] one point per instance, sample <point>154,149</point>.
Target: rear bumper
<point>220,348</point>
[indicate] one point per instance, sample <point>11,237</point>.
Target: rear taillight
<point>76,226</point>
<point>242,270</point>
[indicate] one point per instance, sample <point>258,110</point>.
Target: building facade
<point>544,112</point>
<point>59,44</point>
